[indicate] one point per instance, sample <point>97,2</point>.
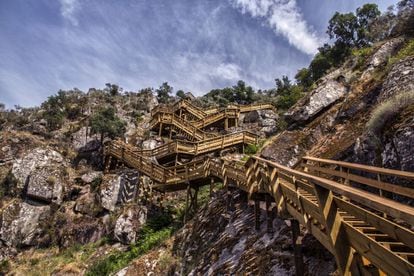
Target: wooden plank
<point>405,191</point>
<point>377,254</point>
<point>372,169</point>
<point>394,230</point>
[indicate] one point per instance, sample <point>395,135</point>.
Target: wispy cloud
<point>68,9</point>
<point>284,17</point>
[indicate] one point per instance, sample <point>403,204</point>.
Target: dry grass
<point>389,110</point>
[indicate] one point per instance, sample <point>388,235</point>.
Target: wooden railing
<point>199,147</point>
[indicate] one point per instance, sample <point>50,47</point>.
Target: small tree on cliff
<point>107,124</point>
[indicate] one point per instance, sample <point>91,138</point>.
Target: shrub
<point>406,51</point>
<point>388,110</point>
<point>118,260</point>
<point>251,149</point>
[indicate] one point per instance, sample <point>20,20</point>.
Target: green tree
<point>113,89</point>
<point>343,28</point>
<point>304,77</point>
<point>163,92</point>
<point>180,94</point>
<point>107,124</point>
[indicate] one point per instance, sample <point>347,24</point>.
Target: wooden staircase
<point>351,209</point>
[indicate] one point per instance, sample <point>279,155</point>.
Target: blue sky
<point>195,45</point>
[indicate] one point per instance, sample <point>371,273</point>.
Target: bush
<point>251,149</point>
<point>406,51</point>
<point>118,260</point>
<point>389,110</point>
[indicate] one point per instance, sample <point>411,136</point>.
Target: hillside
<point>70,206</point>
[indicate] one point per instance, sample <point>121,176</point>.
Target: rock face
<point>128,224</point>
<point>380,57</point>
<point>36,158</point>
<point>152,143</point>
<point>21,224</point>
<point>45,183</point>
<point>220,242</point>
<point>400,79</point>
<point>109,192</point>
<point>328,92</point>
<point>81,140</point>
<point>41,175</point>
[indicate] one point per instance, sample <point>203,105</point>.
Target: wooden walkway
<point>353,210</point>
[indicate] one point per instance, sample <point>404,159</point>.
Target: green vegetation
<point>4,267</point>
<point>389,110</point>
<point>119,260</point>
<point>163,93</point>
<point>239,93</point>
<point>361,54</point>
<point>406,51</point>
<point>251,149</point>
<point>107,124</point>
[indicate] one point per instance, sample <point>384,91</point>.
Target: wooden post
<point>211,187</point>
<point>226,123</point>
<point>297,247</point>
<point>256,214</point>
<point>186,203</point>
<point>269,214</point>
<point>160,131</point>
<point>228,200</point>
<point>195,203</point>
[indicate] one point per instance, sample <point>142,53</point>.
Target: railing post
<point>269,214</point>
<point>297,247</point>
<point>257,214</point>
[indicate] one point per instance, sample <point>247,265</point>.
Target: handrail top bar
<point>372,169</point>
<point>355,194</point>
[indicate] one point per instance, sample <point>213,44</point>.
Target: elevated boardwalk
<point>349,208</point>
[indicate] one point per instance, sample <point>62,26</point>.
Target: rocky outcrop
<point>22,224</point>
<point>46,184</point>
<point>381,56</point>
<point>40,175</point>
<point>327,93</point>
<point>109,191</point>
<point>82,140</point>
<point>220,242</point>
<point>34,160</point>
<point>152,143</point>
<point>399,79</point>
<point>128,224</point>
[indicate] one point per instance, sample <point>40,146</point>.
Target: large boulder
<point>23,224</point>
<point>82,140</point>
<point>128,224</point>
<point>381,56</point>
<point>330,90</point>
<point>87,203</point>
<point>41,174</point>
<point>46,184</point>
<point>110,191</point>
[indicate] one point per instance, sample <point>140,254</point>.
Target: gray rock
<point>89,177</point>
<point>34,160</point>
<point>152,143</point>
<point>109,191</point>
<point>87,203</point>
<point>327,93</point>
<point>128,224</point>
<point>400,79</point>
<point>21,224</point>
<point>380,57</point>
<point>45,183</point>
<point>82,140</point>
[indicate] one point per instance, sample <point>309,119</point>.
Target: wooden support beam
<point>186,203</point>
<point>337,236</point>
<point>257,214</point>
<point>211,187</point>
<point>297,248</point>
<point>269,214</point>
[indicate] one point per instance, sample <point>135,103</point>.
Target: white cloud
<point>228,71</point>
<point>284,17</point>
<point>68,9</point>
